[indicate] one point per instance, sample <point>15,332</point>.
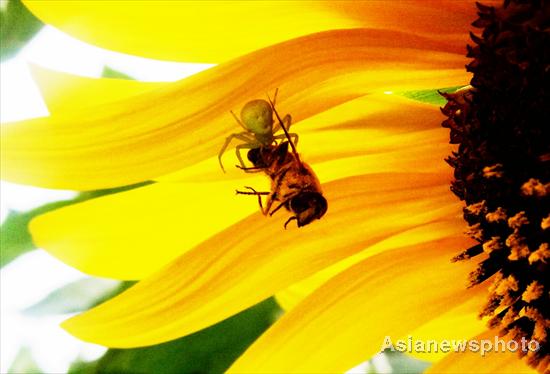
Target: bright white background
<point>31,277</point>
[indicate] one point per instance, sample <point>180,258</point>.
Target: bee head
<point>308,206</point>
<point>257,116</point>
<point>254,155</point>
<point>264,157</point>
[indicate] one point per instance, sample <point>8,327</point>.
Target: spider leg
<point>293,137</point>
<point>238,148</point>
<point>238,120</point>
<point>240,136</point>
<point>275,95</point>
<point>287,121</point>
<point>296,155</point>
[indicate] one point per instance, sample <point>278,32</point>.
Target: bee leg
<point>254,192</point>
<point>241,136</point>
<point>274,194</point>
<point>252,169</point>
<point>251,192</point>
<point>270,200</point>
<point>277,208</point>
<point>289,220</point>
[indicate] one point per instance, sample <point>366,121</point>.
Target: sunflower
<point>378,264</point>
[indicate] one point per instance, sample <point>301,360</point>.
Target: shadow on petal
<point>348,318</point>
<point>256,258</point>
<point>152,134</point>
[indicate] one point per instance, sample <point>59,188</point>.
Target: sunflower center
<point>502,167</point>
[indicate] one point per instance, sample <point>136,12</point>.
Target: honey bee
<point>257,121</point>
<point>294,185</point>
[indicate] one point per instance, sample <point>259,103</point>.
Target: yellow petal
<point>153,217</point>
<point>165,130</point>
<point>216,31</point>
<point>347,319</point>
<point>293,295</point>
<point>256,258</point>
<point>469,362</point>
<point>456,324</point>
<point>130,218</point>
<point>132,234</point>
<point>373,133</point>
<point>66,92</point>
<point>449,19</point>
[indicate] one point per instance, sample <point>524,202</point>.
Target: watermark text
<point>482,346</point>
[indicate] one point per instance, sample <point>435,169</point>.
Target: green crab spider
<point>257,120</point>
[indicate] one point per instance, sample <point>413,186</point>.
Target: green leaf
<point>401,363</point>
<point>78,296</point>
<point>211,350</point>
<point>429,96</point>
<point>17,27</point>
<point>86,195</point>
<point>75,297</point>
<point>15,238</point>
<point>83,367</point>
<point>24,363</point>
<point>112,73</point>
